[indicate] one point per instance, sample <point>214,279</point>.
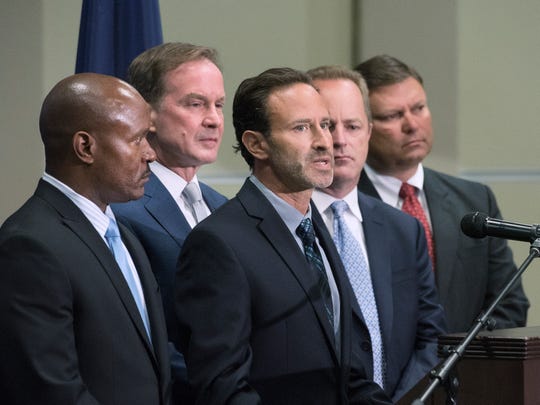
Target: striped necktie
<point>307,234</point>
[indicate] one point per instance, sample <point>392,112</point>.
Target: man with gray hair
<point>184,85</point>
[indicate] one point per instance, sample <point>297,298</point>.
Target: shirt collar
<point>323,201</point>
<point>174,183</point>
<point>388,187</point>
<point>91,211</point>
<point>290,215</point>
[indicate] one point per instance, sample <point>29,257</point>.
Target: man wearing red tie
<point>469,272</point>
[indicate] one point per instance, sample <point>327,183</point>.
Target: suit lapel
<point>88,235</point>
<point>158,351</point>
<point>366,186</point>
<point>74,219</point>
<point>440,210</point>
<point>346,295</point>
<point>279,237</point>
<point>162,207</point>
<point>379,263</point>
<point>446,241</point>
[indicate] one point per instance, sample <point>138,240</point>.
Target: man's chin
<point>323,181</point>
<point>137,195</point>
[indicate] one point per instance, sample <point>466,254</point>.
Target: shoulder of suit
<point>368,199</point>
<point>459,182</point>
<point>128,208</point>
<point>206,189</point>
<point>386,210</point>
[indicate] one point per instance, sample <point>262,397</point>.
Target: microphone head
<point>473,224</point>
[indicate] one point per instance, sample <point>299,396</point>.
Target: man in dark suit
<point>399,281</point>
<point>184,85</point>
<point>469,272</point>
<point>263,304</point>
<point>78,326</point>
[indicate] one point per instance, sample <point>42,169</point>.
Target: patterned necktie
<point>192,195</point>
<point>112,235</point>
<point>355,264</point>
<point>307,234</point>
<point>412,206</point>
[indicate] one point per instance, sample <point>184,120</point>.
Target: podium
<point>500,367</point>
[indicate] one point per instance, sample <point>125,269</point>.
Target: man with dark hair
<point>262,300</point>
<point>184,85</point>
<point>469,272</point>
<point>384,250</point>
<point>82,320</point>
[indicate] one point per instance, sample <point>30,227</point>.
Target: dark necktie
<point>357,269</point>
<point>192,195</point>
<point>307,234</point>
<point>412,206</point>
<point>112,235</point>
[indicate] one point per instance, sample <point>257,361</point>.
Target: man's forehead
<point>408,91</point>
<point>295,97</point>
<point>195,76</point>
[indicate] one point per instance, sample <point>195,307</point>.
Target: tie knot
<point>112,230</point>
<point>407,190</point>
<point>339,207</point>
<point>305,231</point>
<point>192,193</point>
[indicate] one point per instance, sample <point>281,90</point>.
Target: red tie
<point>412,206</point>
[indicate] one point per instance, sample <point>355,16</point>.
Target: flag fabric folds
<point>113,32</point>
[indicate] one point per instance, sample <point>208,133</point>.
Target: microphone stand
<point>440,375</point>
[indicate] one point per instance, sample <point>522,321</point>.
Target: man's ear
<point>256,144</point>
<point>84,146</point>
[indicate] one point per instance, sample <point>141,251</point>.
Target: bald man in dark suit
<point>82,320</point>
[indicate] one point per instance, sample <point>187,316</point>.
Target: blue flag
<point>113,32</point>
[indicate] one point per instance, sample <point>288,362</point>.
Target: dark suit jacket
<point>162,229</point>
<point>410,314</point>
<point>71,332</point>
<point>251,320</point>
<point>470,272</point>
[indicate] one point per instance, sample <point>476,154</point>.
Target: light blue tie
<point>117,248</point>
<point>355,264</point>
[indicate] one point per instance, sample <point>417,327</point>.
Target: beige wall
<point>21,81</point>
<point>422,33</point>
<point>479,59</point>
<point>499,112</point>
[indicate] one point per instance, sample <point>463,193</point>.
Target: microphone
<point>479,225</point>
